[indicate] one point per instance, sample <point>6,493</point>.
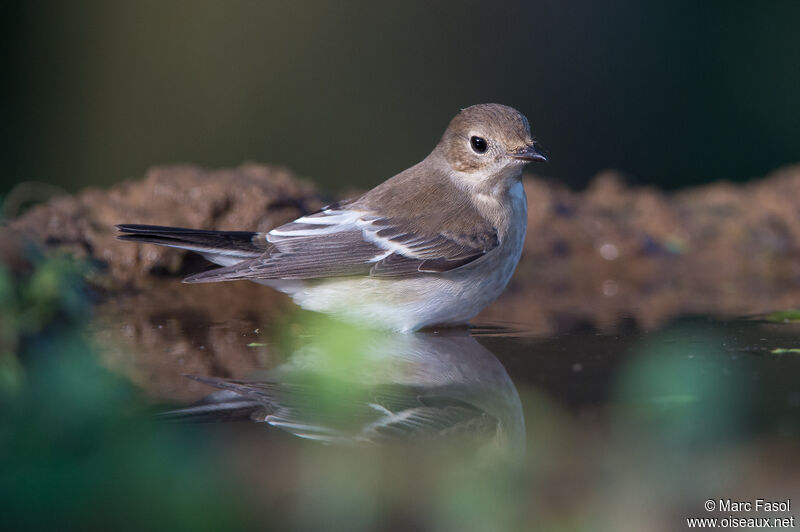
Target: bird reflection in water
<point>429,386</point>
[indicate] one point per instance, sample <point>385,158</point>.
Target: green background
<point>349,93</point>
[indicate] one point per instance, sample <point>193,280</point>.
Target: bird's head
<point>488,142</point>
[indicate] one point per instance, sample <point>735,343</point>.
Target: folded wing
<point>339,242</point>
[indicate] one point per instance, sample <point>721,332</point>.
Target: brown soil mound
<point>252,196</point>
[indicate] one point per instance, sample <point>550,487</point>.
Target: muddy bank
<point>251,196</point>
<point>608,254</point>
<point>615,252</point>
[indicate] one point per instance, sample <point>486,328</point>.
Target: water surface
<point>634,428</point>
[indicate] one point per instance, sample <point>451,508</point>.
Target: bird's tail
<point>223,405</point>
<point>220,247</point>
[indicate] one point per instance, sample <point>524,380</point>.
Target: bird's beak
<point>529,153</point>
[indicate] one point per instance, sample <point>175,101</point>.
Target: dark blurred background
<point>349,93</point>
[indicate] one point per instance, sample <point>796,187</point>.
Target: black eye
<point>478,144</point>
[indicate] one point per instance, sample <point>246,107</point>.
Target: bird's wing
<point>342,242</point>
<point>427,413</point>
<point>356,414</point>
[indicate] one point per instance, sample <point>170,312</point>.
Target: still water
<point>487,427</point>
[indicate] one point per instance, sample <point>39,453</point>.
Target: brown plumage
<point>458,206</point>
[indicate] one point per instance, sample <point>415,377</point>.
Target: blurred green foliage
<point>783,316</point>
<point>38,310</point>
<point>78,447</point>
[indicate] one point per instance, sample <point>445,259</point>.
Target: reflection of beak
<point>529,153</point>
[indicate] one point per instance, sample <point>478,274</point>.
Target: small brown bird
<point>433,245</point>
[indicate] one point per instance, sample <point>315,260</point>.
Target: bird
<point>431,246</point>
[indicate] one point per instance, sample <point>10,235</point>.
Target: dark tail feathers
<point>222,405</point>
<point>221,247</point>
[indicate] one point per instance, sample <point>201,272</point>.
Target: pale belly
<point>409,304</point>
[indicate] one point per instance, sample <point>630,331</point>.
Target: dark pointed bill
<point>529,153</point>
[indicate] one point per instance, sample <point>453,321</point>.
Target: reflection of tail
<point>224,405</point>
<point>221,247</point>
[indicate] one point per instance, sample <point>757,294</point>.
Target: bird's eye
<point>478,144</point>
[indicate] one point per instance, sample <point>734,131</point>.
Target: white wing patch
<point>331,221</point>
<point>322,223</point>
<point>391,246</point>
